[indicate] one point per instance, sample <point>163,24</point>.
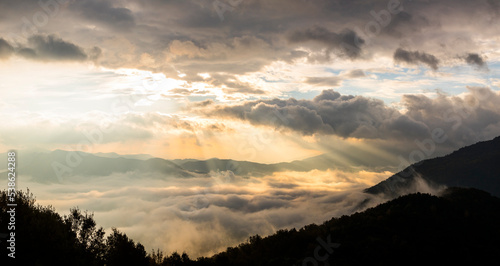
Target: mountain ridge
<point>40,164</point>
<point>475,166</point>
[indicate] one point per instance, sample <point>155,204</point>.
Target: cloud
<point>188,36</point>
<point>205,214</point>
<point>235,86</point>
<point>51,47</point>
<point>6,50</point>
<point>243,89</point>
<point>475,60</point>
<point>103,12</point>
<point>96,129</point>
<point>335,81</point>
<point>346,43</point>
<point>465,119</point>
<point>203,103</point>
<point>399,24</point>
<point>494,5</point>
<point>48,48</point>
<point>328,113</point>
<point>324,81</point>
<point>356,73</point>
<point>94,53</point>
<point>415,58</point>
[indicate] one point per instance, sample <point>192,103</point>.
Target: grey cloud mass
<point>346,43</point>
<point>334,81</point>
<point>324,81</point>
<point>475,60</point>
<point>415,58</point>
<point>327,113</point>
<point>6,49</point>
<point>357,73</point>
<point>465,119</point>
<point>105,13</point>
<point>189,36</point>
<point>51,48</point>
<point>48,48</point>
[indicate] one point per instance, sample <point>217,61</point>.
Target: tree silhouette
<point>120,250</point>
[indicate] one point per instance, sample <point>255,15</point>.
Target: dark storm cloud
<point>475,60</point>
<point>415,58</point>
<point>346,43</point>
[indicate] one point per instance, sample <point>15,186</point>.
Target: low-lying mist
<point>205,214</point>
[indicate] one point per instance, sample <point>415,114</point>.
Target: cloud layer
<point>190,37</point>
<point>48,48</point>
<point>204,215</point>
<point>466,119</point>
<point>346,43</point>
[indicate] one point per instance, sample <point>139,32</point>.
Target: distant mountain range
<point>40,165</point>
<point>320,162</point>
<point>127,156</point>
<point>475,166</point>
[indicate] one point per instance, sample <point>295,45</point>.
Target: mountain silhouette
<point>40,165</point>
<point>474,166</point>
<point>458,228</point>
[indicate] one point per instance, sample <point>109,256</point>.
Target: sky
<point>372,85</point>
